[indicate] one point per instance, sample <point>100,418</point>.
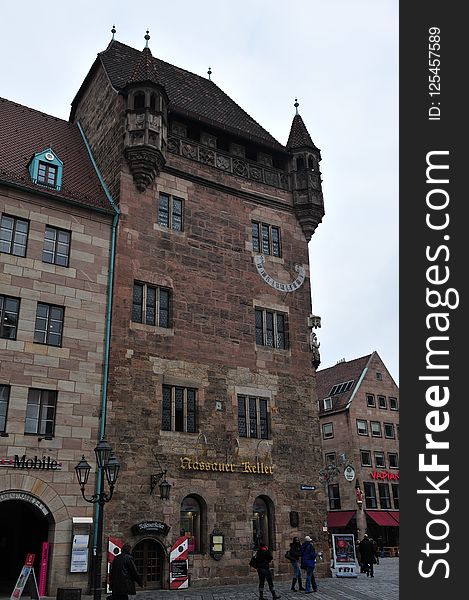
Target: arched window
<point>193,521</point>
<point>153,101</point>
<point>139,101</point>
<point>300,163</point>
<point>311,162</point>
<point>263,522</point>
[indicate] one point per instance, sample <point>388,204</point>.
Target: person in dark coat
<point>263,559</point>
<point>295,555</point>
<point>124,575</point>
<point>308,562</point>
<point>367,555</point>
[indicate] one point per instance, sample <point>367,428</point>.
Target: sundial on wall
<point>259,261</point>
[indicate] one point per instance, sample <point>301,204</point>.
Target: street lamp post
<point>107,462</point>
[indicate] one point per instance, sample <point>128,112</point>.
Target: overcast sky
<point>340,58</point>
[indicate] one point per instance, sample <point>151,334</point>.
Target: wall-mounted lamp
<point>160,479</point>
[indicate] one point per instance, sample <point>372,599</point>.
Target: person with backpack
<point>308,562</point>
<point>262,560</point>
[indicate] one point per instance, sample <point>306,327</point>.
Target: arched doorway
<point>263,526</point>
<point>149,557</point>
<point>24,527</point>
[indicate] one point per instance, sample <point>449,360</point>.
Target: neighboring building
<point>212,370</point>
<point>359,416</point>
<point>55,231</point>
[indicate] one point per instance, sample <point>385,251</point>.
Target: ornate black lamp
<point>107,462</point>
<point>160,480</point>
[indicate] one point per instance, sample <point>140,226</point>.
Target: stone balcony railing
<point>229,163</point>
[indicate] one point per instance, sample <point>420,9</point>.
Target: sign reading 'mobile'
<point>46,463</point>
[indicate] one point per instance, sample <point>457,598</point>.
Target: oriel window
<point>151,305</point>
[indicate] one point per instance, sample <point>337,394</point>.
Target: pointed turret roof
<point>299,136</point>
<point>145,69</point>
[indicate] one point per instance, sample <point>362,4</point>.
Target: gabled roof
<point>24,132</point>
<point>299,136</point>
<point>190,95</point>
<point>339,373</point>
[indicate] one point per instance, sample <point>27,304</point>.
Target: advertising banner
<point>343,548</point>
<point>178,564</point>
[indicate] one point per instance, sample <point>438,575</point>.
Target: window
<point>253,417</point>
<point>365,458</point>
<point>393,460</point>
<point>380,461</point>
<point>389,430</point>
<point>379,376</point>
<point>151,305</point>
<point>47,174</point>
<point>393,404</point>
<point>271,329</point>
<point>4,400</point>
<point>170,212</point>
<point>362,427</point>
<point>9,310</point>
<point>327,403</point>
<point>179,409</point>
<point>370,400</point>
<point>330,458</point>
<point>384,498</point>
<point>40,412</point>
<point>370,495</point>
<point>49,324</point>
<point>266,239</point>
<point>327,431</point>
<point>340,388</point>
<point>382,402</point>
<point>56,246</point>
<point>395,495</point>
<point>334,496</point>
<point>375,428</point>
<point>13,235</point>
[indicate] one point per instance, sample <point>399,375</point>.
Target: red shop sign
<point>384,475</point>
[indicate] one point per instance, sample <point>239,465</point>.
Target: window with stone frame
<point>333,491</point>
<point>170,212</point>
<point>382,402</point>
<point>49,324</point>
<point>253,417</point>
<point>365,456</point>
<point>56,248</point>
<point>13,235</point>
<point>151,305</point>
<point>266,239</point>
<point>384,497</point>
<point>375,428</point>
<point>362,427</point>
<point>271,329</point>
<point>327,431</point>
<point>370,400</point>
<point>370,494</point>
<point>389,430</point>
<point>4,401</point>
<point>393,405</point>
<point>179,409</point>
<point>393,458</point>
<point>395,495</point>
<point>9,311</point>
<point>380,460</point>
<point>40,412</point>
<point>330,458</point>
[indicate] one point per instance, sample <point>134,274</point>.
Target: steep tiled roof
<point>299,135</point>
<point>145,68</point>
<point>340,373</point>
<point>191,95</point>
<point>24,131</point>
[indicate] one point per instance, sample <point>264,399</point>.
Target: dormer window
<point>45,169</point>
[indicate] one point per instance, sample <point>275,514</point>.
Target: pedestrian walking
<point>124,575</point>
<point>294,557</point>
<point>263,558</point>
<point>308,562</point>
<point>367,553</point>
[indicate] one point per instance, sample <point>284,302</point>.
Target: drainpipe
<point>97,551</point>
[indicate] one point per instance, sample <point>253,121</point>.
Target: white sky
<point>340,58</point>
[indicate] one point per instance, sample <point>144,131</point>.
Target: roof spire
<point>147,37</point>
<point>209,72</point>
<point>113,31</point>
<point>296,105</point>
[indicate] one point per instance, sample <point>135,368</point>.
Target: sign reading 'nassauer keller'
<point>246,466</point>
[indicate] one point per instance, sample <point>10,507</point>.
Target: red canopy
<point>395,515</point>
<point>339,518</point>
<point>382,517</point>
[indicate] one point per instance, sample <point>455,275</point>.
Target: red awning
<point>395,515</point>
<point>339,518</point>
<point>381,517</point>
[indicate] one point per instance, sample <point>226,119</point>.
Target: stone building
<point>55,235</point>
<point>212,374</point>
<point>359,416</point>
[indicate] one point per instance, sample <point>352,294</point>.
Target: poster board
<point>114,547</point>
<point>179,564</point>
<point>344,555</point>
<point>27,577</point>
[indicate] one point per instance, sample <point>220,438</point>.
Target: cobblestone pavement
<point>384,586</point>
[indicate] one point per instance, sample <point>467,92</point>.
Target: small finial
<point>147,37</point>
<point>296,105</point>
<point>209,72</point>
<point>113,31</point>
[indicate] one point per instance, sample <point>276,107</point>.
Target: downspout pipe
<point>107,340</point>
